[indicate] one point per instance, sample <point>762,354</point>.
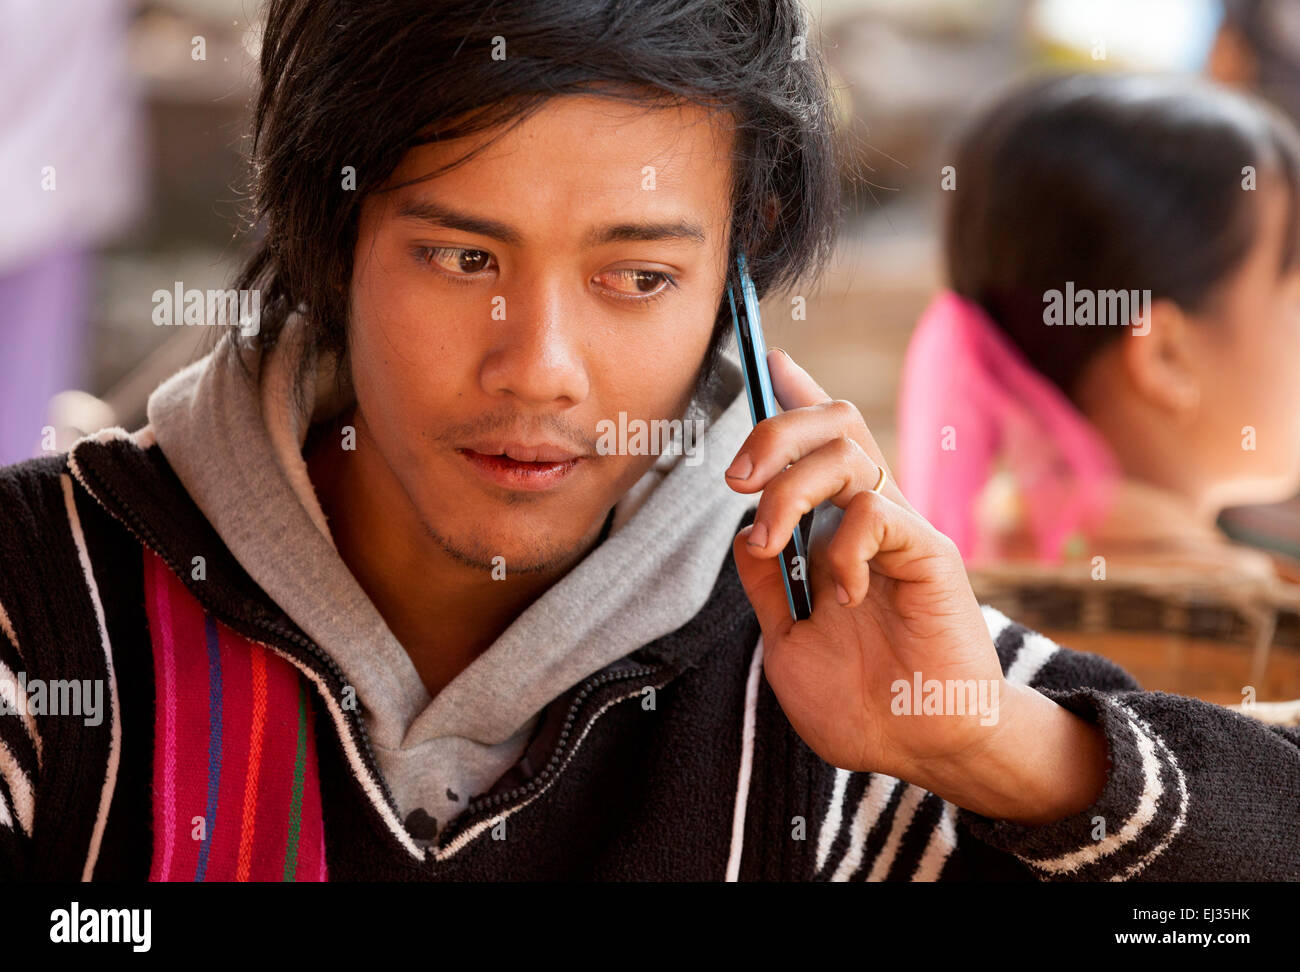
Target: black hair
<point>360,82</point>
<point>1114,182</point>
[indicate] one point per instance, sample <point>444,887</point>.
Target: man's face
<point>570,272</point>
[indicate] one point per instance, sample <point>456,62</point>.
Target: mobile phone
<point>762,405</point>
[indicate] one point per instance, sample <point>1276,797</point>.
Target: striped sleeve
<point>1195,791</point>
<point>20,758</point>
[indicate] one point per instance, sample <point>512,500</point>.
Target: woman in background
<point>1117,360</point>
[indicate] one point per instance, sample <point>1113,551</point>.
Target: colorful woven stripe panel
<point>236,795</point>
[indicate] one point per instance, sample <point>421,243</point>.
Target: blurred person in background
<point>70,177</point>
<point>1020,439</point>
<point>1258,47</point>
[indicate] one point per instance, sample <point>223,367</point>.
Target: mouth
<point>522,467</point>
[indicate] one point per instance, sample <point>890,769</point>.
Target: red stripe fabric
<point>236,722</point>
<point>275,784</point>
<point>253,821</point>
<point>189,702</point>
<point>311,839</point>
<point>248,821</point>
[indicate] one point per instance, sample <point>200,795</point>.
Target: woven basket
<point>1220,635</point>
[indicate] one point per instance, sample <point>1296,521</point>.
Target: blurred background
<point>136,114</point>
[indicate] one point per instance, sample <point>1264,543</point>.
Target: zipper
<point>485,808</point>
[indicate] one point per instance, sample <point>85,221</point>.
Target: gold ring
<point>880,483</point>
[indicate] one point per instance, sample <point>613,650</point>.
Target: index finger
<point>795,388</point>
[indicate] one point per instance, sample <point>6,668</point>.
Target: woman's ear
<point>1161,364</point>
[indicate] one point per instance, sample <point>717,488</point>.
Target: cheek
<point>655,380</point>
<point>395,349</point>
<point>1257,397</point>
<point>1268,378</point>
<point>404,325</point>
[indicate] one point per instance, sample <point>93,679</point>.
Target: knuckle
<point>865,502</point>
<point>840,554</point>
<point>786,492</point>
<point>845,449</point>
<point>845,411</point>
<point>945,545</point>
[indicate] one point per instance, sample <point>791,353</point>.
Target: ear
<point>1160,364</point>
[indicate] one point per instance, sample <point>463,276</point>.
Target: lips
<point>522,467</point>
<point>524,452</point>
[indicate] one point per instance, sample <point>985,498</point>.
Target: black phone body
<point>762,405</point>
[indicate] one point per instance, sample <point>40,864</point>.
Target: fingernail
<point>741,467</point>
<point>841,594</point>
<point>782,350</point>
<point>758,535</point>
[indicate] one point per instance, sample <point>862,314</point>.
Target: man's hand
<point>891,603</point>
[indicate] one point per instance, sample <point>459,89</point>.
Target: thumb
<point>764,586</point>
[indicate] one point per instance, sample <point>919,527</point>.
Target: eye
<point>456,262</point>
<point>638,284</point>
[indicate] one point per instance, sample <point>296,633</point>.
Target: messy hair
<point>360,82</point>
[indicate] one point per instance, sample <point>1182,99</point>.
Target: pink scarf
<point>968,397</point>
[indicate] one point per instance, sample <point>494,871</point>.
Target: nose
<point>536,352</point>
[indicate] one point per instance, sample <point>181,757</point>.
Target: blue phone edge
<point>758,346</point>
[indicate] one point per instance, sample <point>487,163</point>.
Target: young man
<point>394,588</point>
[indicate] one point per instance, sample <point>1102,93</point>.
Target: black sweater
<point>709,783</point>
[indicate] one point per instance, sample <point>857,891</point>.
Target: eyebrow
<point>427,211</point>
